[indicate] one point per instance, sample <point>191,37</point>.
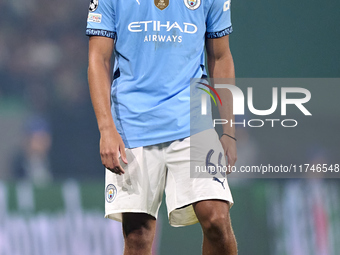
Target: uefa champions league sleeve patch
<point>110,193</point>
<point>93,5</point>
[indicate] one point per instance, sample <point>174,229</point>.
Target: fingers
<point>110,160</point>
<point>229,147</point>
<point>231,159</point>
<point>123,154</point>
<point>230,152</point>
<point>117,169</point>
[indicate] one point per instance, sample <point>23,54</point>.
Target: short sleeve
<point>101,19</point>
<point>218,19</point>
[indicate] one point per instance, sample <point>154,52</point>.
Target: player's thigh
<point>139,225</point>
<point>182,189</point>
<point>140,189</point>
<point>213,214</point>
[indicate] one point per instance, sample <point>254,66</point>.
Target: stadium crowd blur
<point>43,87</point>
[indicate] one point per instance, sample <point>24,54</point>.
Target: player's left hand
<point>229,147</point>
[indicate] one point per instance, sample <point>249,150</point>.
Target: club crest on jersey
<point>161,4</point>
<point>111,193</point>
<point>192,4</point>
<point>93,5</point>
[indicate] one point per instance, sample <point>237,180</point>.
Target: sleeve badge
<point>93,5</point>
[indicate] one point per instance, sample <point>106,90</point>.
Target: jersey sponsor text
<point>154,25</point>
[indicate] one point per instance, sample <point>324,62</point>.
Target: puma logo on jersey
<point>226,5</point>
<point>218,180</point>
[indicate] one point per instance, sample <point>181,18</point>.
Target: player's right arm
<point>111,144</point>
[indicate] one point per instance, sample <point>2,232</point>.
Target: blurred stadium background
<point>51,178</point>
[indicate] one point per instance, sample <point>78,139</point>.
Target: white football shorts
<point>166,166</point>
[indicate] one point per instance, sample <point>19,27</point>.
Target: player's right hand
<point>111,147</point>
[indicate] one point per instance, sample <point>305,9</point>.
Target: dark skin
<point>111,144</point>
<point>139,228</point>
<point>220,67</point>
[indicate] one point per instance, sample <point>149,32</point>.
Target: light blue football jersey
<point>159,47</point>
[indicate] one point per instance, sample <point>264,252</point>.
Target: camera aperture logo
<point>204,97</point>
<point>300,97</point>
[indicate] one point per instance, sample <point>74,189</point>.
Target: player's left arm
<point>221,65</point>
